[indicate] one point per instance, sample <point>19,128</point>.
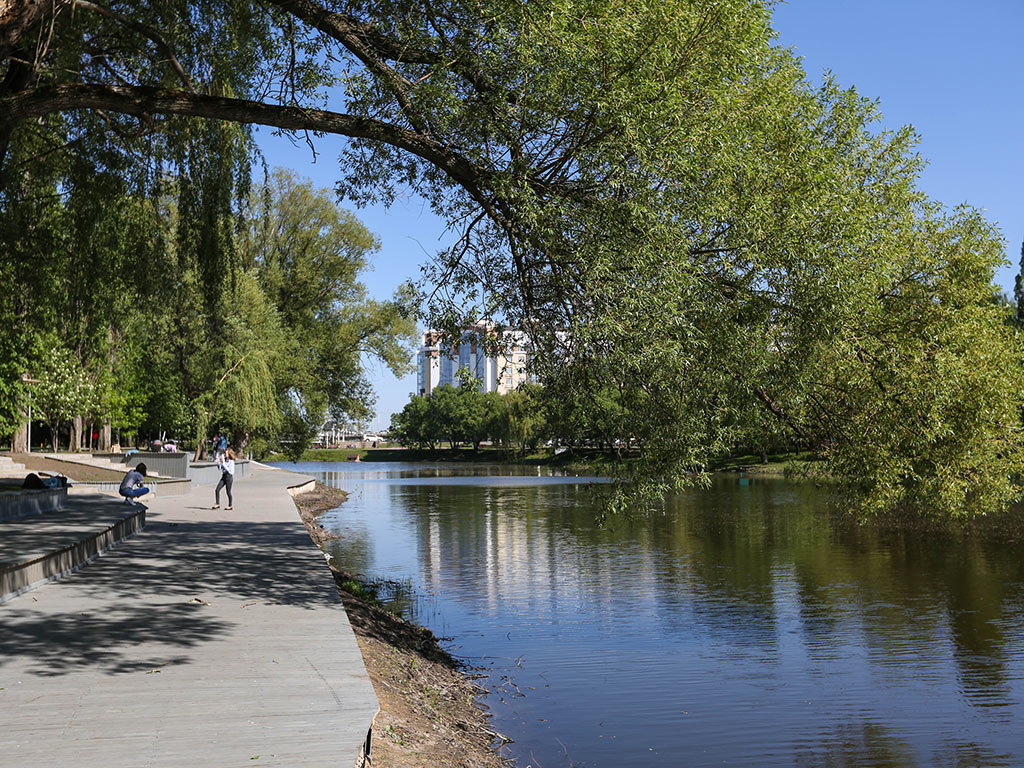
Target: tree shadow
<point>56,644</point>
<point>273,563</point>
<point>152,589</point>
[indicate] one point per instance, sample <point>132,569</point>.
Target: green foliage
<point>734,257</point>
<point>62,390</point>
<point>706,251</point>
<point>13,392</point>
<point>464,414</point>
<point>413,425</point>
<point>1018,289</point>
<point>224,320</point>
<point>525,425</point>
<point>298,429</point>
<point>304,255</point>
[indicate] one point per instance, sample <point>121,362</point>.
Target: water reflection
<point>744,624</point>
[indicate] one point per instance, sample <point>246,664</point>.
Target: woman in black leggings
<point>227,476</point>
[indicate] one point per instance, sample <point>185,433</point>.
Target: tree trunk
<point>20,442</point>
<point>19,17</point>
<point>240,442</point>
<point>75,440</point>
<point>104,443</point>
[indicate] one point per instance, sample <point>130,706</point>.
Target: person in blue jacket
<point>220,448</point>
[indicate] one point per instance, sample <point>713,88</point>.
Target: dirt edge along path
<point>428,710</point>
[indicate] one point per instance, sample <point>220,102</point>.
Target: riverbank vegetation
<point>706,251</point>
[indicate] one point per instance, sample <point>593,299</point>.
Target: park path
<point>212,638</point>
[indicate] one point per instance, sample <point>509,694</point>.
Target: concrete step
<point>52,544</point>
<point>91,461</point>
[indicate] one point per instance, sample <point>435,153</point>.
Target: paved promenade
<point>212,638</point>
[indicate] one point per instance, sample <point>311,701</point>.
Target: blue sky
<point>952,69</point>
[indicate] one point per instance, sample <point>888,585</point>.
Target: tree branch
<point>18,17</point>
<point>145,100</point>
<point>145,31</point>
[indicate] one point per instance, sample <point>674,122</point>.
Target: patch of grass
<point>778,464</point>
<point>366,591</point>
<point>395,735</point>
<point>322,454</point>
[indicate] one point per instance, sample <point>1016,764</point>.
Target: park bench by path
<point>214,638</point>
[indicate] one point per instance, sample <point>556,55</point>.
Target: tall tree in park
<point>307,256</point>
<point>62,390</point>
<point>274,341</point>
<point>656,178</point>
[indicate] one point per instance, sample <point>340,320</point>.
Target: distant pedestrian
<point>220,448</point>
<point>131,486</point>
<point>227,477</point>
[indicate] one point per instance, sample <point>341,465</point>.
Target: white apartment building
<point>439,361</point>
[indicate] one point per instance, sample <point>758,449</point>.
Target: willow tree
<point>307,256</point>
<point>651,188</point>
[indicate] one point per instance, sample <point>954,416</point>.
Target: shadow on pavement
<point>155,585</point>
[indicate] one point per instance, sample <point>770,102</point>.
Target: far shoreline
<point>598,461</point>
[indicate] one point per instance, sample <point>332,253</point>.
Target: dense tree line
<point>465,415</point>
<point>652,189</point>
<point>264,348</point>
<point>532,417</point>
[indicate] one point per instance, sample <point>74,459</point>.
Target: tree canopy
<point>652,189</point>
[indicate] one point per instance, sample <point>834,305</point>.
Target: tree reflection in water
<point>751,622</point>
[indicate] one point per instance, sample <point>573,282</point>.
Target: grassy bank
<point>428,712</point>
<point>770,465</point>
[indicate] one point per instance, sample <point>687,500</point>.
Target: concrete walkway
<point>213,638</point>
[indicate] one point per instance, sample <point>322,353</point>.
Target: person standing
<point>131,486</point>
<point>220,447</point>
<point>227,477</point>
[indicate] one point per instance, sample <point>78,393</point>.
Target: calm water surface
<point>742,626</point>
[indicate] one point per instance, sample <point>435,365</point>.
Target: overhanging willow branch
<point>145,100</point>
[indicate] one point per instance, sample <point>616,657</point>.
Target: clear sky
<point>952,69</point>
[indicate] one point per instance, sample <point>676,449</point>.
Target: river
<point>740,625</point>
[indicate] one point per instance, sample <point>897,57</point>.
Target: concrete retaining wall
<point>166,464</point>
<point>208,473</point>
<point>17,504</point>
<point>298,490</point>
<point>18,577</point>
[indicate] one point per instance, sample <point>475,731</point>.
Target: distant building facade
<point>439,360</point>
